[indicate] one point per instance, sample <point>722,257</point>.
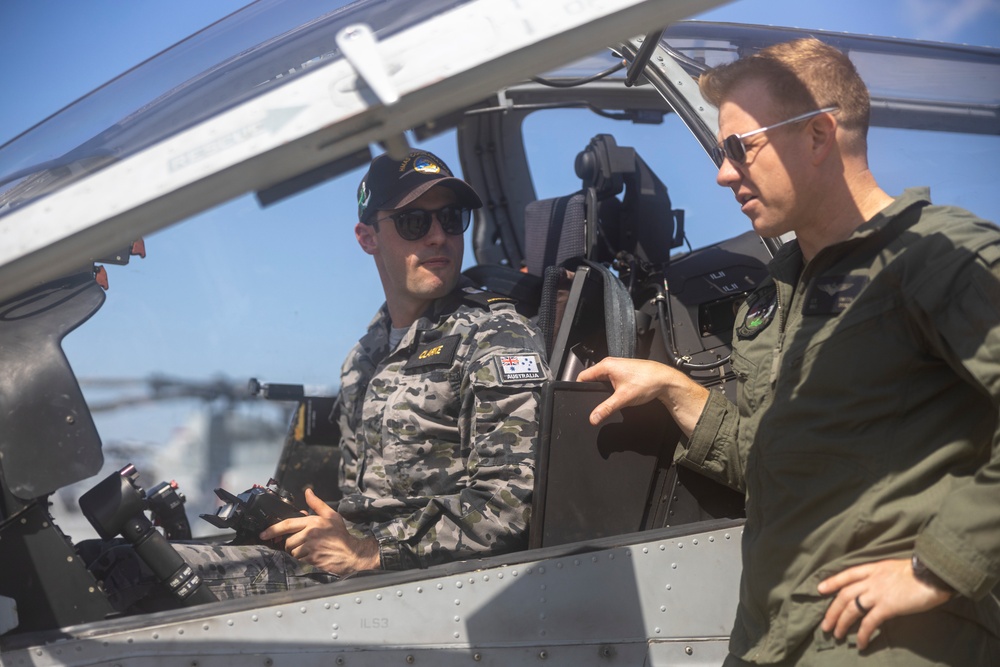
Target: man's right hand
<point>639,381</point>
<point>322,540</point>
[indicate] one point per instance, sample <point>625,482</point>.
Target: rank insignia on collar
<point>761,307</point>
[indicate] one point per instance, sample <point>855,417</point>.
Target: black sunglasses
<point>415,223</point>
<point>732,146</point>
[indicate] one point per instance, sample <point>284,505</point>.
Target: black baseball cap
<point>391,184</point>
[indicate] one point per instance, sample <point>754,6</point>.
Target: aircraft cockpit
<point>592,222</point>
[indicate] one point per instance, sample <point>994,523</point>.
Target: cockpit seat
<point>554,231</point>
<point>561,248</point>
<point>620,477</point>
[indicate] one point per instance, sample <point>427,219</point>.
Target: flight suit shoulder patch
<point>440,352</point>
<point>761,307</point>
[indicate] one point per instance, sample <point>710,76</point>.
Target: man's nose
<point>728,175</point>
<point>436,233</point>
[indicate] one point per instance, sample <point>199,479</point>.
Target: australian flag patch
<point>519,367</point>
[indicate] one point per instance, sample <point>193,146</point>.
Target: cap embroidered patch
<point>425,165</point>
<point>519,367</point>
<point>364,196</point>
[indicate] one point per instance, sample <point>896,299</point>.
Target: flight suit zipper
<point>776,355</point>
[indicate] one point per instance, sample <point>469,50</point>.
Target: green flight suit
<point>866,425</point>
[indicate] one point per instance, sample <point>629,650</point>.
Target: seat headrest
<point>555,230</point>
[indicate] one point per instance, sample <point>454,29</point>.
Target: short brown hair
<point>801,75</point>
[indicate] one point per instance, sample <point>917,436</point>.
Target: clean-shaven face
<point>765,184</point>
<point>415,273</point>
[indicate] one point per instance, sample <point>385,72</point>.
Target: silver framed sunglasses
<point>732,146</point>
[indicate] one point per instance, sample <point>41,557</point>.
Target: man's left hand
<point>323,541</point>
<point>884,589</point>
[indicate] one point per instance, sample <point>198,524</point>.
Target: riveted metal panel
<point>642,601</point>
<point>704,653</point>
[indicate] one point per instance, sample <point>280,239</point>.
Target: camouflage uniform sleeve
<point>355,373</point>
<point>489,512</point>
<point>344,407</point>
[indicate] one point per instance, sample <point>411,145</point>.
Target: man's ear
<point>823,134</point>
<point>367,238</point>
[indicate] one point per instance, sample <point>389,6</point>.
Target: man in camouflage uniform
<point>438,401</point>
<point>865,432</point>
<point>438,413</point>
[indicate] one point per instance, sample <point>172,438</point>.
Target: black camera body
<point>252,511</point>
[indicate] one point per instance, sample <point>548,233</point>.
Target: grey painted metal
<point>318,117</point>
<point>495,163</point>
<point>667,601</point>
<point>358,45</point>
<point>681,92</point>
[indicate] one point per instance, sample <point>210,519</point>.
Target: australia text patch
<point>519,367</point>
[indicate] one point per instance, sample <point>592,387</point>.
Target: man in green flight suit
<point>865,432</point>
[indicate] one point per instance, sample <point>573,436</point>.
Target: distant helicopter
<point>231,438</point>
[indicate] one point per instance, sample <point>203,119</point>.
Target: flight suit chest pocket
<point>825,330</point>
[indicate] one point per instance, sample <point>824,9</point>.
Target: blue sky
<point>59,50</point>
<point>283,293</point>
